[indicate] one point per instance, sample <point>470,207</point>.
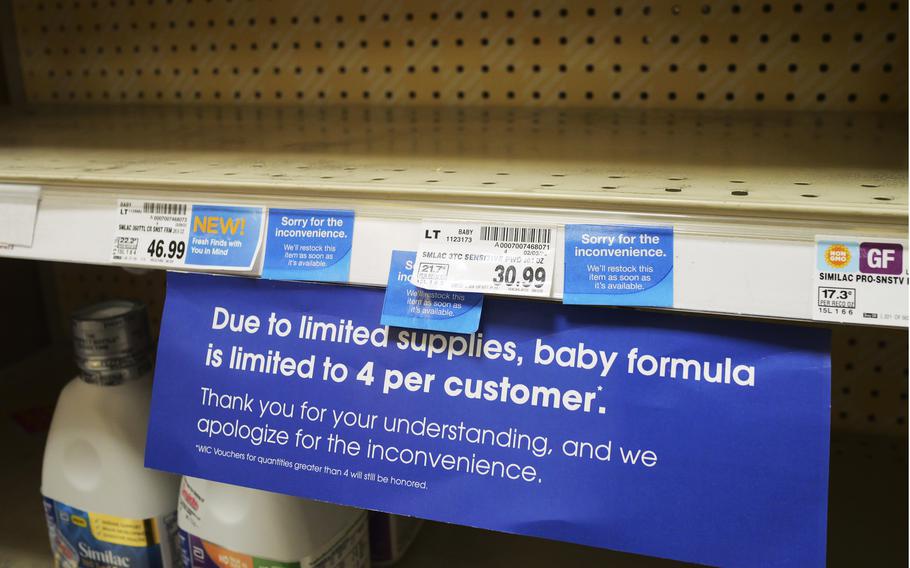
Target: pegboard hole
<point>739,193</point>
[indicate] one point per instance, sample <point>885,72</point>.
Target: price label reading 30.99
<point>460,256</point>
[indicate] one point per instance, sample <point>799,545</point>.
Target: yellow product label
<point>127,532</point>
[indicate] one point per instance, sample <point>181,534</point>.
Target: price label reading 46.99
<point>174,234</point>
<point>459,256</point>
<point>170,249</point>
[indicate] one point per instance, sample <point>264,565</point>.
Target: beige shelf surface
<point>812,166</point>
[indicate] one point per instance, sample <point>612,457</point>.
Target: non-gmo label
<point>860,280</point>
<point>461,256</point>
<point>619,265</point>
<point>406,305</point>
<point>309,244</point>
<point>176,234</point>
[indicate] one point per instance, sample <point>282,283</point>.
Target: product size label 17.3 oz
<point>169,234</point>
<point>860,280</point>
<point>461,256</point>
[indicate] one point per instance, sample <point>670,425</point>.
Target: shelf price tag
<point>619,265</point>
<point>507,259</point>
<point>860,280</point>
<point>406,305</point>
<point>18,211</point>
<point>168,234</point>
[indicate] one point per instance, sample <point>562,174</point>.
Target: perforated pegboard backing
<point>869,380</point>
<point>680,54</point>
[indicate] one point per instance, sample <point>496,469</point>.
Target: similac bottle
<point>103,508</point>
<point>228,526</point>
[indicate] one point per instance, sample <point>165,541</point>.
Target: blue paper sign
<point>224,235</point>
<point>696,439</point>
<point>619,265</point>
<point>406,305</point>
<point>309,244</point>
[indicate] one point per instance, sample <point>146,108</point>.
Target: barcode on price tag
<point>160,208</point>
<point>463,256</point>
<point>169,234</point>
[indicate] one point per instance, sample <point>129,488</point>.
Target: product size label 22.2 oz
<point>462,256</point>
<point>175,234</point>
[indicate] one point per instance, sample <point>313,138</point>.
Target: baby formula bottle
<point>104,509</point>
<point>229,526</point>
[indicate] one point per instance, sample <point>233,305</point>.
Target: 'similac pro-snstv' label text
<point>860,280</point>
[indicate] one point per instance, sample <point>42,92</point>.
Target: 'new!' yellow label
<point>218,224</point>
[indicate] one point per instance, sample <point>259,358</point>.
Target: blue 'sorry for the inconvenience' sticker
<point>309,244</point>
<point>406,305</point>
<point>618,265</point>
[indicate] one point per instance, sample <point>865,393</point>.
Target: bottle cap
<point>111,341</point>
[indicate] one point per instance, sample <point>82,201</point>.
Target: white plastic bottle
<point>226,525</point>
<point>103,507</point>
